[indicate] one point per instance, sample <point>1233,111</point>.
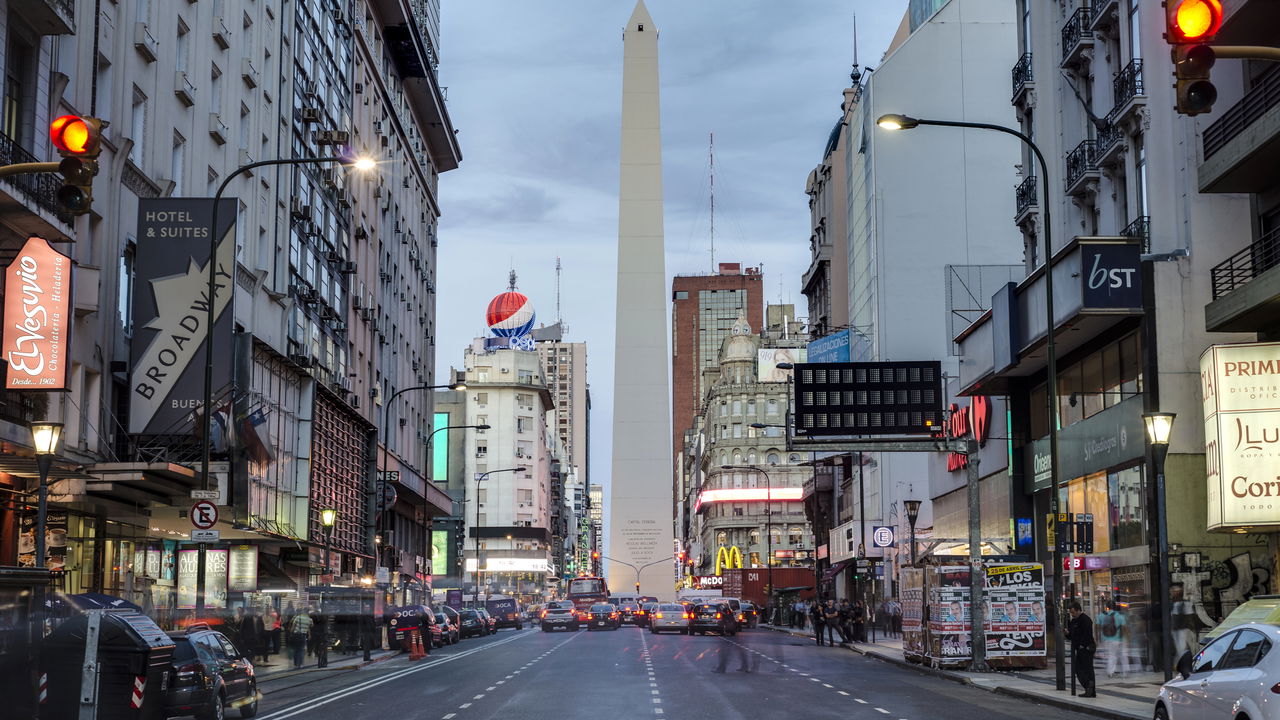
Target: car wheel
<point>250,708</point>
<point>1161,713</point>
<point>216,709</point>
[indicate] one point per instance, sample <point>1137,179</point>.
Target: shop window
<point>1091,400</point>
<point>1130,366</point>
<point>1126,507</point>
<point>1070,386</point>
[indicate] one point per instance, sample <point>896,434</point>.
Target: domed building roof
<point>740,346</point>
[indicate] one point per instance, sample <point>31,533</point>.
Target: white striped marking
<point>886,712</point>
<point>464,706</point>
<point>478,696</point>
<point>446,717</point>
<point>860,701</point>
<point>843,693</point>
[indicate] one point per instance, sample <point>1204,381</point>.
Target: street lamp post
<point>46,439</point>
<point>479,479</point>
<point>895,121</point>
<point>768,520</point>
<point>637,568</point>
<point>1159,427</point>
<point>913,513</point>
<point>328,517</point>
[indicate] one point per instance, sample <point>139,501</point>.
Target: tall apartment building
<point>595,495</point>
<point>565,368</point>
<point>825,284</point>
<point>193,91</point>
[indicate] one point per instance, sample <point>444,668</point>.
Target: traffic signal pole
<point>28,168</point>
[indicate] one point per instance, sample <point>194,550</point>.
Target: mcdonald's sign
<point>728,558</point>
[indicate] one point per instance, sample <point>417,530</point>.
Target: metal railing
<point>1241,268</point>
<point>1260,98</point>
<point>1109,135</point>
<point>1081,161</point>
<point>1025,194</point>
<point>1140,229</point>
<point>1128,83</point>
<point>1075,29</point>
<point>39,188</point>
<point>1021,73</point>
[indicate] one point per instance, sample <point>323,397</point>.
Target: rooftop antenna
<point>711,152</point>
<point>559,320</point>
<point>511,280</point>
<point>856,74</point>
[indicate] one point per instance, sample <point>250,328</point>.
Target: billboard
<point>868,398</point>
<point>170,310</point>
<point>767,360</point>
<point>440,448</point>
<point>832,348</point>
<point>439,553</point>
<point>1242,447</point>
<point>37,296</point>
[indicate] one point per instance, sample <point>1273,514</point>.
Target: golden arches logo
<point>728,558</point>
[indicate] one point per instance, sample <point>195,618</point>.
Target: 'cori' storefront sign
<point>973,421</point>
<point>37,297</point>
<point>1240,386</point>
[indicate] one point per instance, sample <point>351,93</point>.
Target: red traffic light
<point>1193,20</point>
<point>75,135</point>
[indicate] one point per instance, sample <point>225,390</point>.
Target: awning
<point>273,579</point>
<point>836,569</point>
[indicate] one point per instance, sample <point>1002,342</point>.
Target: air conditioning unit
<point>358,88</point>
<point>249,73</point>
<point>367,314</point>
<point>347,268</point>
<point>339,327</point>
<point>309,88</point>
<point>309,115</point>
<point>145,43</point>
<point>183,88</point>
<point>299,209</point>
<point>361,233</point>
<point>301,360</point>
<point>221,34</point>
<point>506,370</point>
<point>333,256</point>
<point>377,126</point>
<point>332,137</point>
<point>303,293</point>
<point>330,179</point>
<point>354,401</point>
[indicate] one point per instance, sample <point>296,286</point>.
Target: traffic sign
<point>206,535</point>
<point>204,494</point>
<point>882,536</point>
<point>204,515</point>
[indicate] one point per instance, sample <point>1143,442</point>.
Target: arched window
<point>776,535</point>
<point>755,538</point>
<point>793,458</point>
<point>752,458</point>
<point>737,457</point>
<point>795,535</point>
<point>722,538</point>
<point>772,458</point>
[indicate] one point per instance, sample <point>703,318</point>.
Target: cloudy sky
<point>535,87</point>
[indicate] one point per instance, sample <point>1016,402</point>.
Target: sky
<point>535,91</point>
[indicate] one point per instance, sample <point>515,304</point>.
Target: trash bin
<point>133,666</point>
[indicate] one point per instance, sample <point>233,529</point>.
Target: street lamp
<point>896,121</point>
<point>479,479</point>
<point>768,518</point>
<point>46,438</point>
<point>1159,427</point>
<point>328,516</point>
<point>913,513</point>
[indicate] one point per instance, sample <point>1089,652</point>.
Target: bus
<point>584,592</point>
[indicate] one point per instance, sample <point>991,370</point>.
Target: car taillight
<point>658,615</point>
<point>686,616</point>
<point>717,616</point>
<point>188,675</point>
<point>544,613</point>
<point>613,615</point>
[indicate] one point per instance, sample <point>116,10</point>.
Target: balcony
<point>22,197</point>
<point>49,17</point>
<point>183,89</point>
<point>1127,92</point>
<point>1105,16</point>
<point>1246,289</point>
<point>1023,81</point>
<point>1112,144</point>
<point>1140,229</point>
<point>1025,201</point>
<point>1077,39</point>
<point>1242,148</point>
<point>1082,168</point>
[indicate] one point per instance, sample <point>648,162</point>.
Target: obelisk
<point>641,503</point>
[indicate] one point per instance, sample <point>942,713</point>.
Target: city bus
<point>584,592</point>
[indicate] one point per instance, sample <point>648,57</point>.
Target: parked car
<point>489,620</point>
<point>474,624</point>
<point>669,617</point>
<point>713,617</point>
<point>1230,678</point>
<point>448,630</point>
<point>559,614</point>
<point>506,611</point>
<point>629,613</point>
<point>454,619</point>
<point>603,616</point>
<point>209,675</point>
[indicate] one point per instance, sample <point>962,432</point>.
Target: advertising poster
<point>187,564</point>
<point>151,564</point>
<point>912,598</point>
<point>55,540</point>
<point>439,553</point>
<point>168,562</point>
<point>215,578</point>
<point>767,360</point>
<point>1015,597</point>
<point>242,569</point>
<point>37,295</point>
<point>949,614</point>
<point>170,311</point>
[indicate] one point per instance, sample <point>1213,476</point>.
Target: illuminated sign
<point>440,448</point>
<point>749,495</point>
<point>707,582</point>
<point>728,558</point>
<point>509,565</point>
<point>1242,443</point>
<point>37,294</point>
<point>973,421</point>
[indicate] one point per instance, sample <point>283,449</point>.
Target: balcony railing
<point>1080,162</point>
<point>39,188</point>
<point>1025,195</point>
<point>1108,136</point>
<point>1128,83</point>
<point>1261,98</point>
<point>1239,269</point>
<point>1076,33</point>
<point>1140,229</point>
<point>1021,74</point>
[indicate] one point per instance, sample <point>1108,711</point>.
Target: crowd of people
<point>300,632</point>
<point>846,619</point>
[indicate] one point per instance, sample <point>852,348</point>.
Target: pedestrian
<point>1111,627</point>
<point>858,621</point>
<point>1183,619</point>
<point>817,618</point>
<point>271,626</point>
<point>799,613</point>
<point>895,617</point>
<point>320,638</point>
<point>831,619</point>
<point>249,633</point>
<point>366,635</point>
<point>1083,646</point>
<point>299,636</point>
<point>842,621</point>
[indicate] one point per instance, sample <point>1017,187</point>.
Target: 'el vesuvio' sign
<point>1240,385</point>
<point>170,311</point>
<point>37,297</point>
<point>868,398</point>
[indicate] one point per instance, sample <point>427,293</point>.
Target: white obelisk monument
<point>641,505</point>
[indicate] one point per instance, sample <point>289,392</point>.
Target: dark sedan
<point>713,617</point>
<point>603,616</point>
<point>473,623</point>
<point>629,613</point>
<point>210,674</point>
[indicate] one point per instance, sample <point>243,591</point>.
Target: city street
<point>631,673</point>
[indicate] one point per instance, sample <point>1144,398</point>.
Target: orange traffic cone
<point>415,645</point>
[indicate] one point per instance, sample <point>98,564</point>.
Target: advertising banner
<point>215,577</point>
<point>767,359</point>
<point>1015,602</point>
<point>242,569</point>
<point>439,553</point>
<point>911,595</point>
<point>170,310</point>
<point>832,348</point>
<point>37,297</point>
<point>949,614</point>
<point>1242,446</point>
<point>1111,277</point>
<point>440,448</point>
<point>55,539</point>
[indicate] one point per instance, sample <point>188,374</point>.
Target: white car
<point>669,616</point>
<point>1232,678</point>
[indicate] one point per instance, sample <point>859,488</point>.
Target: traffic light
<point>1190,26</point>
<point>78,140</point>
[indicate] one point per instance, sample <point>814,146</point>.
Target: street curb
<point>961,679</point>
<point>303,671</point>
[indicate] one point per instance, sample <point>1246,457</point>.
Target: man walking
<point>817,617</point>
<point>299,636</point>
<point>1111,626</point>
<point>858,620</point>
<point>1080,633</point>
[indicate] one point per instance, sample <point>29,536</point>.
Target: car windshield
<point>671,608</point>
<point>601,608</point>
<point>708,608</point>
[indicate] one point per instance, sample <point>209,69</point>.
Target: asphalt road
<point>632,674</point>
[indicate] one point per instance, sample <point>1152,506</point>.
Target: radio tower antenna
<point>711,153</point>
<point>856,74</point>
<point>559,320</point>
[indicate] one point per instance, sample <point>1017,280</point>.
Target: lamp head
<point>46,437</point>
<point>481,427</point>
<point>458,385</point>
<point>364,164</point>
<point>328,516</point>
<point>1159,426</point>
<point>913,509</point>
<point>759,426</point>
<point>894,121</point>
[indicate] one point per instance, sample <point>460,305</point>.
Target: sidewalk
<point>281,665</point>
<point>1125,697</point>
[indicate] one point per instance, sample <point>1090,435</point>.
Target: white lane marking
<point>510,676</point>
<point>500,682</point>
<point>827,685</point>
<point>478,696</point>
<point>860,701</point>
<point>843,693</point>
<point>657,700</point>
<point>886,712</point>
<point>654,692</point>
<point>464,706</point>
<point>446,717</point>
<point>657,711</point>
<point>817,680</point>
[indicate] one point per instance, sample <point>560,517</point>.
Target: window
<point>524,424</point>
<point>482,398</point>
<point>773,407</point>
<point>737,430</point>
<point>482,450</point>
<point>772,458</point>
<point>524,496</point>
<point>19,88</point>
<point>482,496</point>
<point>682,294</point>
<point>138,126</point>
<point>124,295</point>
<point>177,162</point>
<point>1250,647</point>
<point>1210,658</point>
<point>482,374</point>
